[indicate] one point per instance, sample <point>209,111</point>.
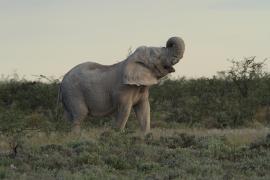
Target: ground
<point>102,153</point>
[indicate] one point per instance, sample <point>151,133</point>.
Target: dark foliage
<point>234,98</point>
<point>237,97</point>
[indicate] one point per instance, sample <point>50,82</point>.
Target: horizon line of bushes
<point>234,98</point>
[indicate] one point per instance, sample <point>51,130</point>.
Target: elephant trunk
<point>176,48</point>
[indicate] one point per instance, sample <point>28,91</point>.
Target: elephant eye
<point>142,64</point>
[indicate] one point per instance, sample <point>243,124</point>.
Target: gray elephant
<point>99,90</point>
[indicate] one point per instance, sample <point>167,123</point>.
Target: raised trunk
<point>176,47</point>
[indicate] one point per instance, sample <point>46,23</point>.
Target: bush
<point>237,97</point>
<point>230,99</point>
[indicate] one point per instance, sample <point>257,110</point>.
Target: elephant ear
<point>136,69</point>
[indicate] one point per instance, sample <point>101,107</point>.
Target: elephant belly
<point>97,86</point>
<point>96,111</point>
<point>100,105</point>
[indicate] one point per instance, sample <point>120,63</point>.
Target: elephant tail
<point>59,99</point>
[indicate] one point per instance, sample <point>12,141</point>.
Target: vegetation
<point>235,98</point>
<point>35,141</point>
<point>106,154</point>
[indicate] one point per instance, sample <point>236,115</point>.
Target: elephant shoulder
<point>93,66</point>
<point>88,66</point>
<point>83,69</point>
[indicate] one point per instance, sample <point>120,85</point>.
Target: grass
<point>235,136</point>
<point>236,98</point>
<point>101,153</point>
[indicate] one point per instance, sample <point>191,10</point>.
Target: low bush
<point>123,156</point>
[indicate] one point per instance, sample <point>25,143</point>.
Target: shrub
<point>233,98</point>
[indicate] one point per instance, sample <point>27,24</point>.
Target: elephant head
<point>148,64</point>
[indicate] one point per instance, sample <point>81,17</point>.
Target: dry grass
<point>234,136</point>
<point>95,154</point>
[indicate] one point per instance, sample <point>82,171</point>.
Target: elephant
<point>101,90</point>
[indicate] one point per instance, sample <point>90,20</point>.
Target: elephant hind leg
<point>67,115</point>
<point>76,112</point>
<point>78,115</point>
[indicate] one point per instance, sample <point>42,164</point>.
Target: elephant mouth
<point>160,70</point>
<point>169,68</point>
<point>163,70</point>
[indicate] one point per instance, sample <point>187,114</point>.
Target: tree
<point>243,72</point>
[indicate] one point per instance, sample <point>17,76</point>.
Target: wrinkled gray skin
<point>99,90</point>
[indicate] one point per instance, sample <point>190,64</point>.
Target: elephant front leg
<point>142,111</point>
<point>122,116</point>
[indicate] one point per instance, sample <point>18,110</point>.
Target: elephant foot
<point>76,130</point>
<point>149,137</point>
<point>145,133</point>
